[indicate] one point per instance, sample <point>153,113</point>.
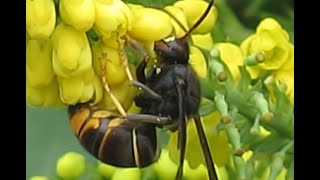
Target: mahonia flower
<point>193,10</point>
<point>113,20</point>
<point>144,21</point>
<point>272,43</point>
<point>165,168</point>
<point>71,51</point>
<point>40,18</point>
<point>203,41</point>
<point>198,62</point>
<point>38,63</point>
<point>232,56</point>
<point>44,96</point>
<point>80,14</point>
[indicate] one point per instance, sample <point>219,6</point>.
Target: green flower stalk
<point>278,160</point>
<point>217,70</point>
<point>255,129</point>
<point>221,104</point>
<point>241,167</point>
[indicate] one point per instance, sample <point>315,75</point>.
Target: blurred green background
<point>48,134</point>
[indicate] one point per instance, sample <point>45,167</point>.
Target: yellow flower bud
<point>40,18</point>
<point>195,173</point>
<point>125,173</point>
<point>71,89</point>
<point>204,41</point>
<point>198,62</point>
<point>43,97</point>
<point>71,165</point>
<point>82,88</point>
<point>106,170</point>
<point>149,24</point>
<point>38,64</point>
<point>113,17</point>
<point>232,56</point>
<point>78,13</point>
<point>39,178</point>
<point>27,38</point>
<point>165,167</point>
<point>98,90</point>
<point>71,51</point>
<point>114,73</point>
<point>124,92</point>
<point>193,10</point>
<point>88,88</point>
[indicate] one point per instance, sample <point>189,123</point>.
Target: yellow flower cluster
<point>276,54</point>
<point>63,66</point>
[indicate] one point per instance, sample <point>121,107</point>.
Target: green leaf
<point>270,145</point>
<point>245,79</point>
<point>283,115</point>
<point>206,107</point>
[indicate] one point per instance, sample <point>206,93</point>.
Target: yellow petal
<point>78,13</point>
<point>40,18</point>
<point>71,89</point>
<point>198,62</point>
<point>115,73</point>
<point>112,16</point>
<point>246,45</point>
<point>193,9</point>
<point>204,41</point>
<point>38,66</point>
<point>232,56</point>
<point>43,97</point>
<point>71,51</point>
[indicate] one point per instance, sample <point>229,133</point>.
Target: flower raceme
<point>68,58</point>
